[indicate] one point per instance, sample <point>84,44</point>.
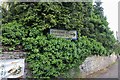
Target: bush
<point>117,47</point>
<point>12,34</point>
<point>87,19</point>
<point>51,57</point>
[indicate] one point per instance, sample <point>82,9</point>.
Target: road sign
<point>64,33</point>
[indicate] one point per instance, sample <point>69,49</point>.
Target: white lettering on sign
<point>64,33</point>
<point>12,68</point>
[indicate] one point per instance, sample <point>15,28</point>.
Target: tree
<point>87,19</point>
<point>104,34</point>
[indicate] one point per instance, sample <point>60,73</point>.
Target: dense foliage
<point>26,27</point>
<point>12,34</point>
<point>86,18</point>
<point>51,57</point>
<point>117,47</point>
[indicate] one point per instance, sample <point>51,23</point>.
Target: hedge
<point>49,56</point>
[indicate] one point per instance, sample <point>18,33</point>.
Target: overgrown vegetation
<point>51,57</point>
<point>86,18</point>
<point>117,47</point>
<point>26,27</point>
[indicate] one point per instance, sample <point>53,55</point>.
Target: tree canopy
<point>86,18</point>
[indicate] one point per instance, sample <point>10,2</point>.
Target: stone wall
<point>90,65</point>
<point>95,63</point>
<point>12,55</point>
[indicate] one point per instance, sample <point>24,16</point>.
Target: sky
<point>111,12</point>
